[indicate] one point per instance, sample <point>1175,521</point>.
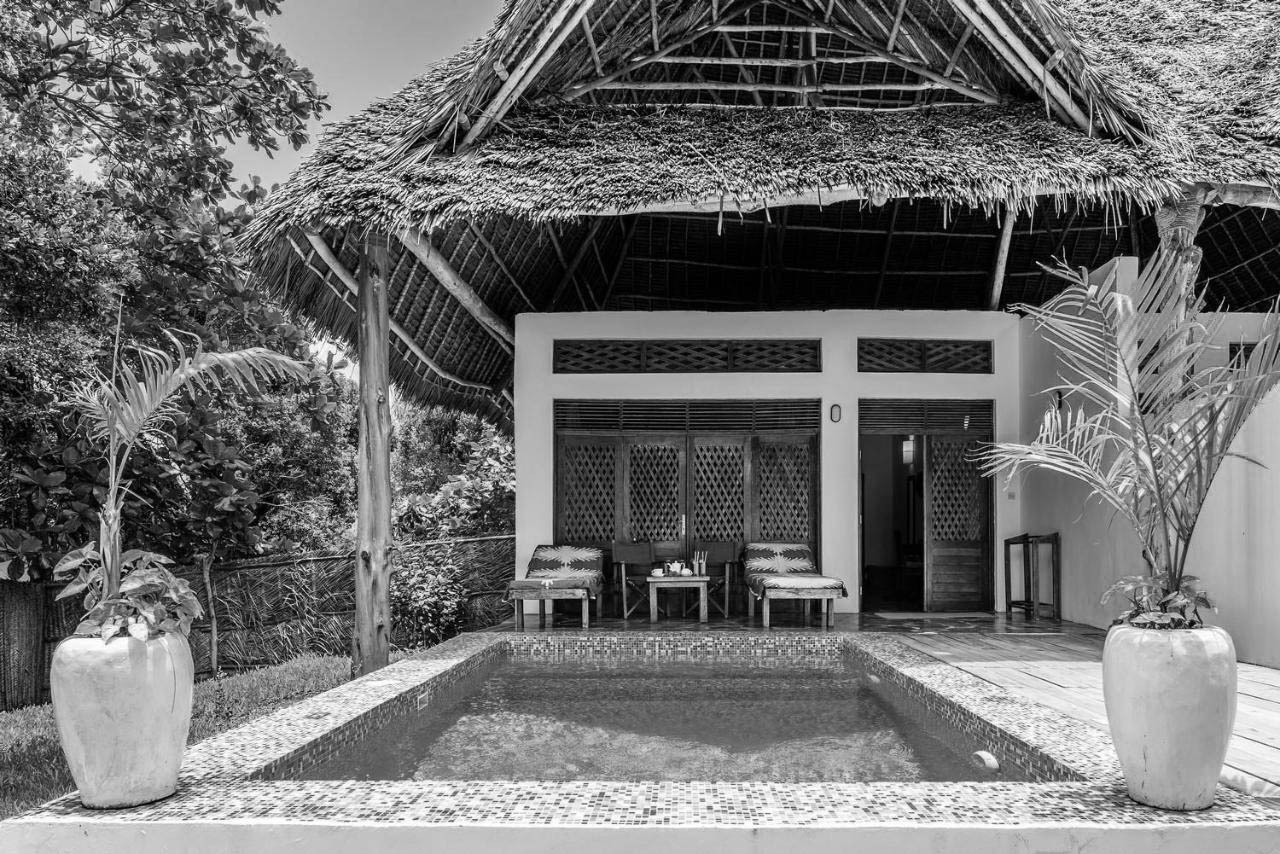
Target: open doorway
<point>892,498</point>
<point>926,509</point>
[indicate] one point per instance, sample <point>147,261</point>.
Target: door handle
<point>682,525</point>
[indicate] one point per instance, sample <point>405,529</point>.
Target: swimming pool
<point>665,721</point>
<point>250,788</point>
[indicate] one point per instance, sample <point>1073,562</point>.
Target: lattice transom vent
<point>783,478</point>
<point>587,484</point>
<point>781,355</point>
<point>686,356</point>
<point>934,356</point>
<point>956,491</point>
<point>599,357</point>
<point>717,493</point>
<point>653,511</point>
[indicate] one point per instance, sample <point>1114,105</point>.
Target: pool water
<point>560,722</point>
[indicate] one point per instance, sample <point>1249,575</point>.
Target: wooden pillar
<point>371,645</point>
<point>1177,221</point>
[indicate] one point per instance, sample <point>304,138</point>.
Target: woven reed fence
<point>257,612</point>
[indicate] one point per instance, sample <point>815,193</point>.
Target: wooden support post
<point>1002,258</point>
<point>373,482</point>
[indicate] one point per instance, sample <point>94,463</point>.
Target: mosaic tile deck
<point>236,784</point>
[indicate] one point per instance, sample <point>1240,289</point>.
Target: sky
<point>359,51</point>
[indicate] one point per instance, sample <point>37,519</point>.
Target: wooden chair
<point>633,563</point>
<point>721,560</point>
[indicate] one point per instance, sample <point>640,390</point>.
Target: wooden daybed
<point>787,571</point>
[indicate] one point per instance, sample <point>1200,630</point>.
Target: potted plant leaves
<point>122,683</point>
<point>1149,415</point>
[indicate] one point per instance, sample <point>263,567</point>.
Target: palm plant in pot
<point>1146,415</point>
<point>122,683</point>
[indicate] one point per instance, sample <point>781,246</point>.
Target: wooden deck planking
<point>1064,672</point>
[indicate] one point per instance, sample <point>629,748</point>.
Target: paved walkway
<point>1063,670</point>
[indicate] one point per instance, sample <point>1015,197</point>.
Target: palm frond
<point>1153,415</point>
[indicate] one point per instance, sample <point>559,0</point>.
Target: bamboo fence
<point>257,612</point>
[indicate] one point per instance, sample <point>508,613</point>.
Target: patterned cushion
<point>758,582</point>
<point>562,561</point>
<point>778,557</point>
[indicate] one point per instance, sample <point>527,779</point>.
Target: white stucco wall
<point>1237,540</point>
<point>536,387</point>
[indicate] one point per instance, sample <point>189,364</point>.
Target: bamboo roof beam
<point>502,265</point>
<point>790,88</point>
<point>901,61</point>
<point>1033,73</point>
<point>567,17</point>
<point>571,265</point>
<point>767,61</point>
<point>884,258</point>
<point>1001,261</point>
<point>689,38</point>
<point>591,46</point>
<point>339,270</point>
<point>443,272</point>
<point>743,71</point>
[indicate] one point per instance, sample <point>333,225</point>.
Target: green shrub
<point>428,601</point>
<point>33,771</point>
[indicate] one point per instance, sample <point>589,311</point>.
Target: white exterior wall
<point>1237,541</point>
<point>536,387</point>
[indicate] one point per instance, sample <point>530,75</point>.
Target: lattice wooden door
<point>586,489</point>
<point>958,527</point>
<point>717,493</point>
<point>784,490</point>
<point>654,489</point>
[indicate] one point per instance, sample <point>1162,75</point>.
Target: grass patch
<point>33,771</point>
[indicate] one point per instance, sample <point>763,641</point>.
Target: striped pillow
<point>778,557</point>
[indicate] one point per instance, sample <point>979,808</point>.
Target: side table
<point>698,582</point>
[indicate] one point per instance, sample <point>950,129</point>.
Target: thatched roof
<point>536,157</point>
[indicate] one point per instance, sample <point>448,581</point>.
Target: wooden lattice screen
<point>957,490</point>
<point>918,355</point>
<point>653,496</point>
<point>784,476</point>
<point>718,486</point>
<point>587,477</point>
<point>700,355</point>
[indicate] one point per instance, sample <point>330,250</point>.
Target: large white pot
<point>1171,704</point>
<point>123,709</point>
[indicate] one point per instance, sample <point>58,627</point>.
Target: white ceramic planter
<point>1171,704</point>
<point>123,709</point>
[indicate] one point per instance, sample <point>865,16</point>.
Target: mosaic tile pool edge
<point>239,776</point>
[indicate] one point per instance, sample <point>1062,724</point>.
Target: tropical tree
<point>1149,415</point>
<point>122,412</point>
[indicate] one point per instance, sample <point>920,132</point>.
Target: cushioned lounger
<point>559,572</point>
<point>786,571</point>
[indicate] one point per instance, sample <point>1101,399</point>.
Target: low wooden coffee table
<point>676,582</point>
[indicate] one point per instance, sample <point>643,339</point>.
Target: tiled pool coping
<point>232,788</point>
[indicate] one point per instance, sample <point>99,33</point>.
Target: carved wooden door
<point>957,527</point>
